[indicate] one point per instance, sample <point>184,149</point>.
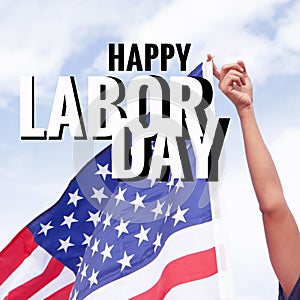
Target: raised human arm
<point>281,230</point>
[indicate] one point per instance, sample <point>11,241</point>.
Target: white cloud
<point>37,39</point>
<point>226,29</point>
<point>289,25</point>
<point>4,102</point>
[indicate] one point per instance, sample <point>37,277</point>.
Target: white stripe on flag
<point>65,278</point>
<point>31,267</point>
<point>178,245</point>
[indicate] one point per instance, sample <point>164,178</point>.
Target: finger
<point>229,81</point>
<point>233,66</point>
<point>239,74</point>
<point>242,65</point>
<point>236,86</point>
<point>231,77</point>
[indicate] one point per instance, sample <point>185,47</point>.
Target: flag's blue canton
<point>64,230</point>
<point>198,71</point>
<point>135,224</point>
<point>93,197</point>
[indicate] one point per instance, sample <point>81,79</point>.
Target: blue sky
<point>70,38</point>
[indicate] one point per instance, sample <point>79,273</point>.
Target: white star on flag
<point>95,246</point>
<point>65,244</point>
<point>93,279</point>
<point>142,236</point>
<point>69,220</point>
<point>99,194</point>
<point>170,183</point>
<point>157,242</point>
<point>106,252</point>
<point>122,228</point>
<point>138,201</point>
<point>83,272</point>
<point>120,196</point>
<point>103,171</point>
<point>179,185</point>
<point>125,261</point>
<point>87,239</point>
<point>80,262</point>
<point>179,216</point>
<point>45,228</point>
<point>158,209</point>
<point>74,198</point>
<point>106,222</point>
<point>75,295</point>
<point>94,218</point>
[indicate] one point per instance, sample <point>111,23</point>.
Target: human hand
<point>235,83</point>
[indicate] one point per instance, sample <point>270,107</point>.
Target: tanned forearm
<point>264,176</point>
<point>281,231</point>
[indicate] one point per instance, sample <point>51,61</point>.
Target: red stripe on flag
<point>192,267</point>
<point>28,289</point>
<point>15,252</point>
<point>62,294</point>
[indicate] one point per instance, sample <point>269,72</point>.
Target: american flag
<point>116,240</point>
